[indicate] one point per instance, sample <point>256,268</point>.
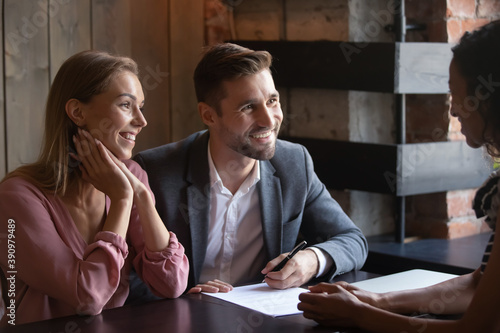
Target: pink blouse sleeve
<point>50,258</point>
<point>165,272</point>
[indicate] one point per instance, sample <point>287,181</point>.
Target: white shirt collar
<point>252,178</point>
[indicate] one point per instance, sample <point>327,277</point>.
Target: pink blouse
<point>52,272</point>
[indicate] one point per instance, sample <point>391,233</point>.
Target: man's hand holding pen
<point>298,270</point>
<point>288,270</point>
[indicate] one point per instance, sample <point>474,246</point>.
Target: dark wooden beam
<point>378,67</point>
<point>401,170</point>
<point>331,65</point>
<point>352,165</point>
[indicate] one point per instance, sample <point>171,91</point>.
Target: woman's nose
<point>139,118</point>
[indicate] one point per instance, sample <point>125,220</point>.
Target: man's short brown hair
<point>223,62</point>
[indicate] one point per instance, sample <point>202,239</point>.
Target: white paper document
<point>412,279</point>
<point>274,302</point>
<point>260,297</point>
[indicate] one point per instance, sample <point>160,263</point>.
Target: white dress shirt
<point>235,230</point>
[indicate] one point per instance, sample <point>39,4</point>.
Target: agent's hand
<point>365,296</point>
<point>298,270</point>
<point>337,307</point>
<point>215,286</point>
<point>99,169</point>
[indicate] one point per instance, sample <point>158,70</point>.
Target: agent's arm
<point>341,309</point>
<point>342,305</point>
<point>481,315</point>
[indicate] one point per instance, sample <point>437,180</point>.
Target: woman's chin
<point>473,144</point>
<point>122,157</point>
<point>121,154</point>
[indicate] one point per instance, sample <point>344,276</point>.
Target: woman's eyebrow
<point>128,95</point>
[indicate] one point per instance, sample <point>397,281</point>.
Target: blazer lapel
<point>198,194</point>
<point>271,206</point>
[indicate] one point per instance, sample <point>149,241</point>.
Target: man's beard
<point>247,149</point>
<point>258,154</point>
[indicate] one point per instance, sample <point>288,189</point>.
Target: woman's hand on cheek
<point>99,169</point>
<point>136,184</point>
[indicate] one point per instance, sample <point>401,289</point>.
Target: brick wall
<point>217,23</point>
<point>442,215</point>
<point>462,16</point>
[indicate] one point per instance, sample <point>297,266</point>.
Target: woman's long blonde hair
<point>81,76</point>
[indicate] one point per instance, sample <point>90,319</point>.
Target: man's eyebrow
<point>246,102</point>
<point>254,100</point>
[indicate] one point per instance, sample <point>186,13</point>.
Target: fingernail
<point>74,156</point>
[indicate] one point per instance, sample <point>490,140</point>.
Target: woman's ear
<point>74,112</point>
<point>207,113</point>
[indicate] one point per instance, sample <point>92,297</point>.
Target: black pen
<point>289,256</point>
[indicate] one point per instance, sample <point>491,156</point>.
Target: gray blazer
<point>293,201</point>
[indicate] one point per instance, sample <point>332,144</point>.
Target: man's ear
<point>207,113</point>
<point>74,112</point>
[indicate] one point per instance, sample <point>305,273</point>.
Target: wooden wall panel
<point>150,48</point>
<point>165,38</point>
<point>70,31</point>
<point>26,78</point>
<point>3,159</point>
<point>422,68</point>
<point>111,26</point>
<point>260,20</point>
<point>186,31</point>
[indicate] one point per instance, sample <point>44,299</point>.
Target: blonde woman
<point>83,214</point>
